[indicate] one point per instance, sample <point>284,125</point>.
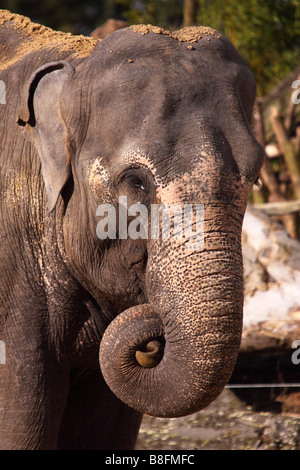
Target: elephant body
<point>161,119</point>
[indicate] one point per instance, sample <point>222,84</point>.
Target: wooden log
<point>279,209</point>
<point>189,12</point>
<point>272,285</point>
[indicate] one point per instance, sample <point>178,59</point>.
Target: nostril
<point>151,354</point>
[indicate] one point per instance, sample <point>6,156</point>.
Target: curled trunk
<point>173,356</point>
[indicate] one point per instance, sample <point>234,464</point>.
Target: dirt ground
<point>226,424</point>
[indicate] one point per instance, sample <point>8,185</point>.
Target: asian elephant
<point>158,119</point>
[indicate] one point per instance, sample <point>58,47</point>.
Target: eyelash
<point>257,182</point>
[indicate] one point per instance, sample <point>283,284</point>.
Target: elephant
<point>101,330</point>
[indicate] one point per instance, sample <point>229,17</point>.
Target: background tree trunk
<point>268,175</point>
<point>189,12</point>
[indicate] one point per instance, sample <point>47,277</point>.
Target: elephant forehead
<point>162,68</point>
<point>163,112</point>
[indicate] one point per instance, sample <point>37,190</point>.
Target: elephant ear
<point>41,118</point>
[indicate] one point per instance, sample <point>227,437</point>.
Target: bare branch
<point>279,208</point>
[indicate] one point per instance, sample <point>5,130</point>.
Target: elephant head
<point>159,120</point>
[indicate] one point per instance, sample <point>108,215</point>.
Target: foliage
<point>82,17</point>
<point>163,13</point>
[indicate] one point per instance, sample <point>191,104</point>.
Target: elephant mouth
<point>141,345</point>
<point>150,353</point>
<point>132,348</point>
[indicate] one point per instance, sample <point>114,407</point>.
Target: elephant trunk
<point>173,356</point>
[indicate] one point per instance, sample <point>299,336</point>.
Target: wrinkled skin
<point>160,121</point>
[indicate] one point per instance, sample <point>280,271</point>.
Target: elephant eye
<point>136,182</point>
<point>134,179</point>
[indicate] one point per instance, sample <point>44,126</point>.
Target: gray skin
<point>161,119</point>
